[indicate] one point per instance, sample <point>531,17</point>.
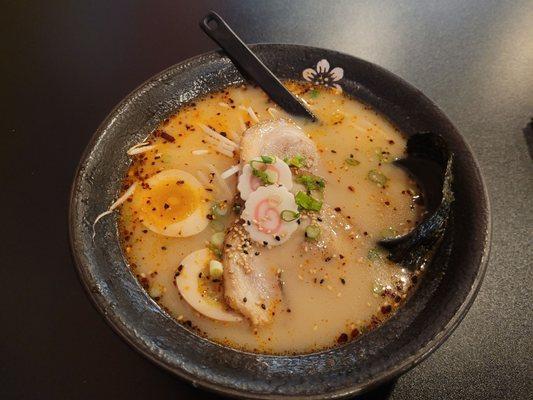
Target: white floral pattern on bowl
<point>323,76</point>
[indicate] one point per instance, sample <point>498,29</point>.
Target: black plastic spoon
<point>431,165</point>
<point>244,59</point>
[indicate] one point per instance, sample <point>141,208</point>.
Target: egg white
<point>187,283</point>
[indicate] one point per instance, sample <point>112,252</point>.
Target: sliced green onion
<point>237,208</point>
<point>289,215</point>
<point>217,239</point>
<point>264,176</point>
<point>352,161</point>
<point>389,232</point>
<point>378,289</point>
<point>375,254</point>
<point>382,156</point>
<point>219,209</point>
<point>377,177</point>
<point>272,176</point>
<point>267,177</point>
<point>216,269</point>
<point>215,250</point>
<point>268,159</point>
<point>311,182</point>
<point>217,226</point>
<point>312,232</point>
<point>297,161</point>
<point>314,93</point>
<point>306,202</point>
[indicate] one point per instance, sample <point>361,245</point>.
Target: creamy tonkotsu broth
<point>320,278</point>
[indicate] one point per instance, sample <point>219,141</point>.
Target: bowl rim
<point>383,376</point>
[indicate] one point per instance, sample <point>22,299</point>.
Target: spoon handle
<point>241,55</point>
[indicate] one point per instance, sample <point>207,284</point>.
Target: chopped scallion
<point>352,161</point>
<point>296,161</point>
<point>263,176</point>
<point>216,269</point>
<point>267,177</point>
<point>389,232</point>
<point>219,209</point>
<point>268,159</point>
<point>375,255</point>
<point>312,232</point>
<point>306,202</point>
<point>215,250</point>
<point>382,156</point>
<point>217,239</point>
<point>217,226</point>
<point>272,176</point>
<point>289,215</point>
<point>311,182</point>
<point>377,177</point>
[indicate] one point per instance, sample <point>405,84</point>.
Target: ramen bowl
<point>430,315</point>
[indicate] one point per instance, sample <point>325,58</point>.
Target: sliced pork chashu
<point>251,285</point>
<point>279,138</point>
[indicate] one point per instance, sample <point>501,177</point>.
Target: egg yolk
<point>169,202</point>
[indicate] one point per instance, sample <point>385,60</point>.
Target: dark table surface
<point>66,64</point>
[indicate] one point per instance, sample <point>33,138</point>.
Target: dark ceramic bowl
<point>427,319</point>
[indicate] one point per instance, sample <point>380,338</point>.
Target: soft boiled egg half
<point>202,293</point>
<point>172,203</point>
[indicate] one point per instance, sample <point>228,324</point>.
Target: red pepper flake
<point>391,141</point>
<point>375,321</point>
<point>386,309</point>
<point>387,203</point>
<point>343,338</point>
<point>351,189</point>
<point>338,209</point>
<point>144,282</point>
<point>355,333</point>
<point>166,136</point>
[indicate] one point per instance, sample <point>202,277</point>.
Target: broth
<point>324,301</point>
